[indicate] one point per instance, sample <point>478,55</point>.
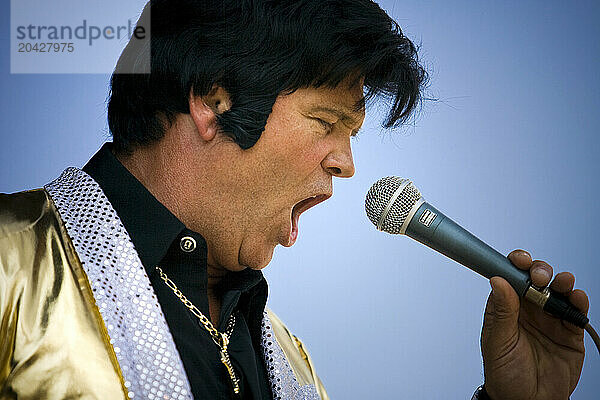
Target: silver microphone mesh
<point>380,195</point>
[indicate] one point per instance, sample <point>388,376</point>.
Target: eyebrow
<point>343,114</point>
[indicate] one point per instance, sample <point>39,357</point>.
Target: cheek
<point>311,153</point>
<point>293,160</point>
<point>295,166</point>
<point>307,147</point>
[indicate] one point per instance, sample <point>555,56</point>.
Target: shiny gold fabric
<point>297,356</point>
<point>53,342</point>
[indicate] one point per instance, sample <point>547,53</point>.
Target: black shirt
<point>162,240</point>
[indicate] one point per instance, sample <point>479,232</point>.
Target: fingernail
<point>524,253</point>
<point>541,274</point>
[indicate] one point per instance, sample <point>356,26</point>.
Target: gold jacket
<point>79,318</point>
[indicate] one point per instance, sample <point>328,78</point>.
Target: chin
<point>256,257</point>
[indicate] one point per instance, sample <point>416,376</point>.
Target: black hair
<point>256,50</point>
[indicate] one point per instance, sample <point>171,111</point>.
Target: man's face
<point>290,169</point>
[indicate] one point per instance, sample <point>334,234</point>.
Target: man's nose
<point>340,162</point>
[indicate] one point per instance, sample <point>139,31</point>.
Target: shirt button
<point>187,244</point>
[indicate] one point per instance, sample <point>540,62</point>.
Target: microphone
<point>396,206</point>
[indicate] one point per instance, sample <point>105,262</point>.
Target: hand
<point>527,353</point>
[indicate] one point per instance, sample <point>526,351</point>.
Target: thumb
<point>500,324</point>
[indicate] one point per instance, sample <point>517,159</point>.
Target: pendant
<point>235,382</point>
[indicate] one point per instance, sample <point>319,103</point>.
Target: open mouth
<point>299,208</point>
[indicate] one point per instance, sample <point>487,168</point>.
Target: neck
<point>193,179</point>
<point>214,276</point>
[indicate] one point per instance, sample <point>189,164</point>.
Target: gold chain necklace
<point>221,339</point>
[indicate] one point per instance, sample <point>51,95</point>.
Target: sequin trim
<point>138,332</point>
<point>284,384</point>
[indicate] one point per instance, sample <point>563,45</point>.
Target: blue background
<point>510,150</point>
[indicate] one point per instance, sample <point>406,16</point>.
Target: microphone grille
<point>382,193</point>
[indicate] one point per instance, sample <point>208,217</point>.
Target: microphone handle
<point>432,228</point>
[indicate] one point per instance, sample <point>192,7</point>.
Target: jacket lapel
<point>284,384</point>
<point>140,337</point>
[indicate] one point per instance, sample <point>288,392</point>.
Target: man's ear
<point>203,110</point>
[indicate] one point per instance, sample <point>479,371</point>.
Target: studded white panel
<point>284,384</point>
<point>136,326</point>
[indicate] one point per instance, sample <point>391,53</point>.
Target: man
<point>139,277</point>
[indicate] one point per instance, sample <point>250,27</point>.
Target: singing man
<point>139,276</point>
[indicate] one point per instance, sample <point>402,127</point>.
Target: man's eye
<point>325,124</point>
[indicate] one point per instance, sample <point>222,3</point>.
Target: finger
<point>580,300</point>
<point>563,282</point>
<point>520,258</point>
<point>541,273</point>
<point>500,325</point>
<point>505,299</point>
